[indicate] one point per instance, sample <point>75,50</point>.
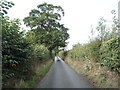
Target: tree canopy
<point>44,22</point>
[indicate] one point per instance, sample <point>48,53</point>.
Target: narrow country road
<point>62,76</point>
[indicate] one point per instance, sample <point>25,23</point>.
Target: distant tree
<point>115,24</point>
<point>102,31</point>
<point>44,22</point>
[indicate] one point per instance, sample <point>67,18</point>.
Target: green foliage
<point>103,49</point>
<point>92,50</point>
<point>40,52</point>
<point>37,51</point>
<point>75,53</point>
<point>44,22</point>
<point>106,53</point>
<point>18,52</point>
<point>110,52</point>
<point>102,30</point>
<point>21,49</point>
<point>86,51</point>
<point>14,51</point>
<point>4,6</point>
<point>63,54</point>
<point>40,69</point>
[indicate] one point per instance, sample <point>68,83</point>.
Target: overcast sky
<point>79,14</point>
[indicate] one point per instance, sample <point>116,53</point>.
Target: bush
<point>14,51</point>
<point>106,53</point>
<point>92,50</point>
<point>110,51</point>
<point>40,52</point>
<point>86,51</point>
<point>18,52</point>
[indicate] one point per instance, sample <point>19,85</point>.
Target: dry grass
<point>100,76</point>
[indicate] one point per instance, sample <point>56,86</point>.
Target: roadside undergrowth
<point>40,69</point>
<point>99,76</point>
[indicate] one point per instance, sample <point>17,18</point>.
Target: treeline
<point>21,49</point>
<point>103,48</point>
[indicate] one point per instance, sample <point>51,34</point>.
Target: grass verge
<point>99,76</point>
<point>40,69</point>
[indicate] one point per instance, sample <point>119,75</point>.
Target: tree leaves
<point>44,22</point>
<point>14,49</point>
<point>4,11</point>
<point>110,54</point>
<point>4,6</point>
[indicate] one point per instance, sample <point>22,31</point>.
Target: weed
<point>40,70</point>
<point>98,75</point>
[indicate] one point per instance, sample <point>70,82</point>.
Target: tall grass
<point>40,69</point>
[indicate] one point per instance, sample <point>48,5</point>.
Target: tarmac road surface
<point>62,76</point>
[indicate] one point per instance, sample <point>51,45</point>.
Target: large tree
<point>44,22</point>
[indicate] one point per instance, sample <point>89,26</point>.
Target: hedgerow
<point>18,52</point>
<point>103,49</point>
<point>110,54</point>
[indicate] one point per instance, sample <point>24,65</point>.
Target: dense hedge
<point>14,51</point>
<point>86,51</point>
<point>18,52</point>
<point>106,54</point>
<point>104,49</point>
<point>110,54</point>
